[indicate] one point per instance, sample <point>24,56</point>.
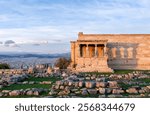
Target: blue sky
<point>48,26</point>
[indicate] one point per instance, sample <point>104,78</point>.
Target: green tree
<point>62,63</point>
<point>4,66</point>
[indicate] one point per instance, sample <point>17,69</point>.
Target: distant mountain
<point>29,55</point>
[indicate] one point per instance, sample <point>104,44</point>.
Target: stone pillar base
<point>90,69</point>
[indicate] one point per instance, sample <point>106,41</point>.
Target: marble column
<point>134,52</point>
<point>95,50</point>
<point>125,53</point>
<point>87,50</point>
<point>104,51</point>
<point>79,50</point>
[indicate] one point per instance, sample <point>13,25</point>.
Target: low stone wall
<point>11,79</point>
<point>25,92</point>
<point>12,71</point>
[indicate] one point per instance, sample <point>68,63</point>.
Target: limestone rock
<point>61,87</point>
<point>61,93</point>
<point>64,74</point>
<point>114,96</point>
<point>119,76</point>
<point>146,89</point>
<point>143,76</point>
<point>67,88</point>
<point>31,70</point>
<point>52,92</point>
<point>49,70</point>
<point>81,83</point>
<point>45,82</point>
<point>87,78</point>
<point>101,96</point>
<point>1,94</point>
<point>93,77</point>
<point>59,83</point>
<point>78,92</point>
<point>108,90</point>
<point>6,91</point>
<point>113,84</point>
<point>92,91</point>
<point>101,84</point>
<point>84,92</point>
<point>134,96</point>
<point>14,93</point>
<point>31,82</point>
<point>90,84</point>
<point>30,92</point>
<point>66,83</point>
<point>74,90</point>
<point>76,84</point>
<point>132,91</point>
<point>71,83</point>
<point>102,90</point>
<point>117,91</point>
<point>141,91</point>
<point>25,82</point>
<point>1,86</point>
<point>57,86</point>
<point>36,93</point>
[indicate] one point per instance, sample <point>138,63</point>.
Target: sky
<point>48,26</point>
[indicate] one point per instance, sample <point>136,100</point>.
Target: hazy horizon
<point>10,52</point>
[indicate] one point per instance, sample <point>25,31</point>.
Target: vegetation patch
<point>26,86</point>
<point>145,80</point>
<point>124,85</point>
<point>40,79</point>
<point>115,72</point>
<point>30,79</point>
<point>123,71</point>
<point>4,66</point>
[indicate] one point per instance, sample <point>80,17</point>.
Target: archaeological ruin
<point>106,52</point>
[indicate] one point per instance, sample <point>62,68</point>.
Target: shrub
<point>62,63</point>
<point>4,66</point>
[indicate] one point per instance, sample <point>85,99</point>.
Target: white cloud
<point>41,35</point>
<point>14,45</point>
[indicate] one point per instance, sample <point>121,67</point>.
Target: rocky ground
<point>121,84</point>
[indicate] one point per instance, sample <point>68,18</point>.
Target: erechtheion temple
<point>106,52</point>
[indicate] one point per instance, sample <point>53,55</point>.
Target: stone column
<point>95,50</point>
<point>104,51</point>
<point>87,50</point>
<point>118,55</point>
<point>79,52</point>
<point>125,52</point>
<point>134,52</point>
<point>73,53</point>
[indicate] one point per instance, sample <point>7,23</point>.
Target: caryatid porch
<point>89,55</point>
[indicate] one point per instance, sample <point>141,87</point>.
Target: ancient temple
<point>105,52</point>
